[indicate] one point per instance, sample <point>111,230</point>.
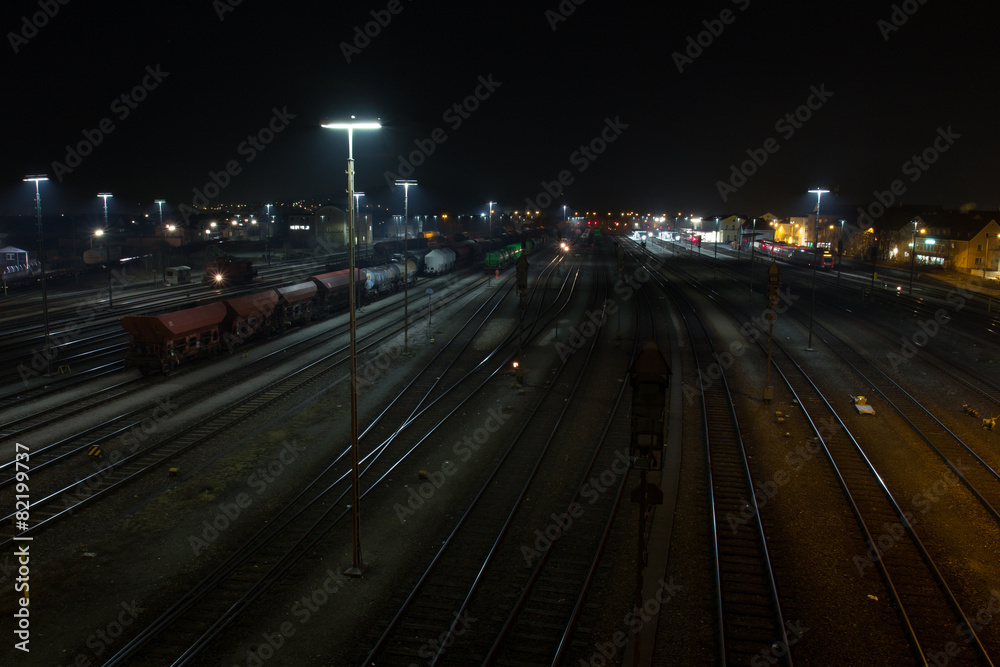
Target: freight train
<point>161,343</point>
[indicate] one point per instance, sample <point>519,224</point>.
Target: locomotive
<point>225,271</point>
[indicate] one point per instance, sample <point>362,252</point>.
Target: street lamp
<point>913,253</point>
<point>163,264</point>
<point>489,213</point>
<point>358,567</point>
<point>406,183</point>
<point>267,232</point>
<point>564,212</point>
<point>812,306</point>
<point>819,195</point>
<point>107,248</point>
<point>41,265</point>
<point>716,237</point>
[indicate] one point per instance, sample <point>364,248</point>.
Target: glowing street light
<point>812,306</point>
<point>41,264</point>
<point>406,183</point>
<point>358,567</point>
<point>489,213</point>
<point>913,253</point>
<point>107,248</point>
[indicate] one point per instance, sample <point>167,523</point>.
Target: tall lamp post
<point>358,567</point>
<point>489,215</point>
<point>812,306</point>
<point>716,237</point>
<point>406,183</point>
<point>163,263</point>
<point>107,247</point>
<point>267,233</point>
<point>840,250</point>
<point>913,253</point>
<point>41,265</point>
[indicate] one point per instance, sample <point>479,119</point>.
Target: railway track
<point>147,456</point>
<point>748,608</point>
<point>895,548</point>
<point>931,622</point>
<point>200,616</point>
<point>471,570</point>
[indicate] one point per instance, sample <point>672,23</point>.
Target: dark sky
<point>888,94</point>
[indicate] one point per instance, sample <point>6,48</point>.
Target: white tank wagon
<point>439,261</point>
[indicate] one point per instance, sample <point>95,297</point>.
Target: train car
<point>249,316</point>
<point>225,271</point>
<point>334,290</point>
<point>439,261</point>
<point>177,275</point>
<point>159,343</point>
<point>810,258</point>
<point>495,260</point>
<point>296,303</point>
<point>383,280</point>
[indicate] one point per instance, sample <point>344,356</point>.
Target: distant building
<point>16,265</point>
<point>961,241</point>
<point>326,227</point>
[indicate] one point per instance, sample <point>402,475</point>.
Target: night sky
<point>637,108</point>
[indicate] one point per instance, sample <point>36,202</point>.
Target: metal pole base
<point>358,571</point>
